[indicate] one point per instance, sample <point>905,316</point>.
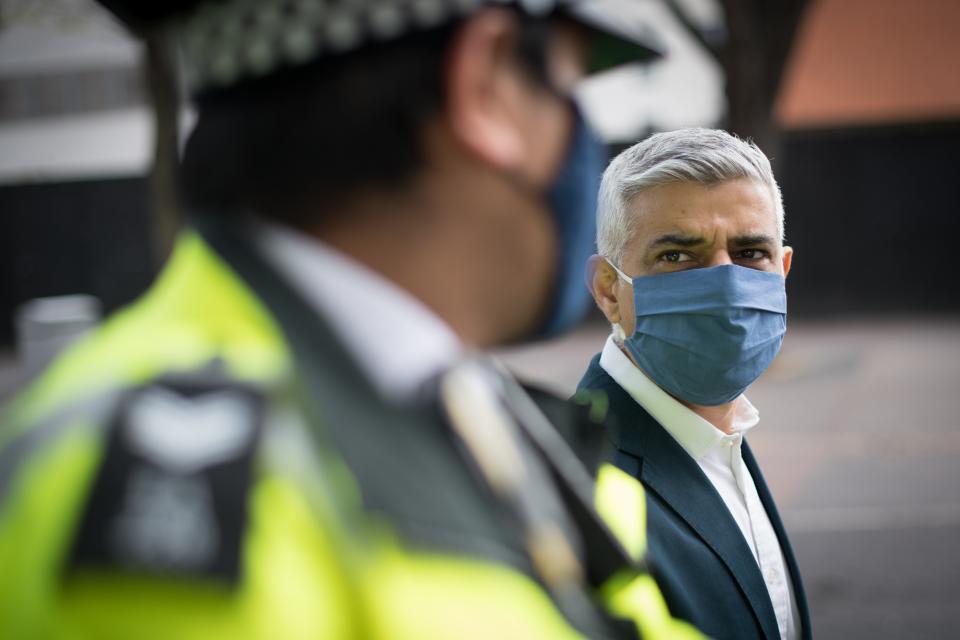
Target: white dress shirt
<point>720,457</point>
<point>397,341</point>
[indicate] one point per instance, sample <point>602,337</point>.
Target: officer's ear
<point>482,87</point>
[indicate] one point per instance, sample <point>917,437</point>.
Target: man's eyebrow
<point>677,240</point>
<point>753,240</point>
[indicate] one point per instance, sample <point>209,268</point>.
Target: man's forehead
<point>740,207</point>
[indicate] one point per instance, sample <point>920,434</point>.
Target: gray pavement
<point>859,440</point>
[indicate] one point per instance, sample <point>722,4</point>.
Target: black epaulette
<point>170,497</point>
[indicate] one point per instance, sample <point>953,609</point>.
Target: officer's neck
<point>466,249</point>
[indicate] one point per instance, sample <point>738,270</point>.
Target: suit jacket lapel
<point>766,498</point>
<point>669,471</point>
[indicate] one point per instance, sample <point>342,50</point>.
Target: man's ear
<point>602,280</point>
<point>480,87</point>
<point>787,260</point>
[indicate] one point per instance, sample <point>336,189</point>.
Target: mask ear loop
<point>622,275</point>
<point>619,335</point>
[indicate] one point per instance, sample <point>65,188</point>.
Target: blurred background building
<point>858,103</point>
<point>75,150</point>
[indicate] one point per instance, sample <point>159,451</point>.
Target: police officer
<point>288,436</point>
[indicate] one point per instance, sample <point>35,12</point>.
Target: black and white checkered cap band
<point>225,43</point>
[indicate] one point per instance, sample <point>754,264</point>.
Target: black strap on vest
<point>399,455</point>
<point>406,461</point>
<point>607,555</point>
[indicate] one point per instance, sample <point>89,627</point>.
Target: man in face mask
<point>289,436</point>
<point>691,276</point>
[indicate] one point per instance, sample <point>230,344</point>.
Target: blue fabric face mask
<point>705,335</point>
<point>573,202</point>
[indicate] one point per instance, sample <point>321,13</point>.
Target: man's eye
<point>752,254</point>
<point>675,257</point>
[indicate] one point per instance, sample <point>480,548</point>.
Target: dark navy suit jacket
<point>697,553</point>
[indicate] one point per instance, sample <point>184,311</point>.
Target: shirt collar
<point>697,436</point>
<point>397,341</point>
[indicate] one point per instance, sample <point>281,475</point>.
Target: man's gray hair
<point>707,156</point>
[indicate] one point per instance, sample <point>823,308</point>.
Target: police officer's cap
<point>230,41</point>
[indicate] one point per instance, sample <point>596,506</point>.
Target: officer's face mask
<point>573,203</point>
<point>705,335</point>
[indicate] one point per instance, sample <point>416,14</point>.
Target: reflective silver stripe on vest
<point>92,413</point>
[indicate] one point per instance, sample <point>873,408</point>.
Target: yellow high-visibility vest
<point>306,573</point>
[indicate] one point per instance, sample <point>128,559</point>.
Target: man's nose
<point>719,258</point>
